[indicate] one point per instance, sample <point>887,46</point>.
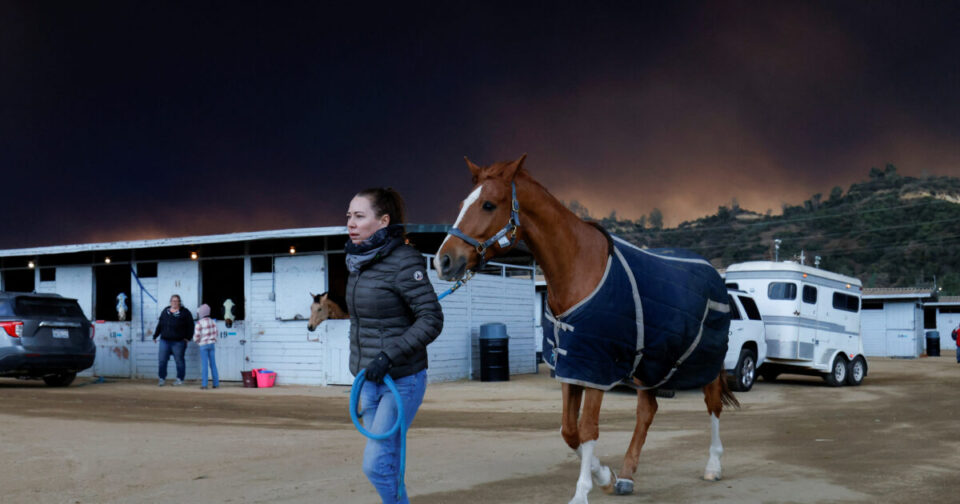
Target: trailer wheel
<point>838,372</point>
<point>746,371</point>
<point>856,371</point>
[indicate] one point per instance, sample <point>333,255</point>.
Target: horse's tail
<point>726,395</point>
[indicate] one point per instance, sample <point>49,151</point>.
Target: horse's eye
<point>489,206</point>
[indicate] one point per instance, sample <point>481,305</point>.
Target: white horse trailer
<point>811,319</point>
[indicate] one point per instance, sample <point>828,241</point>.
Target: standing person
<point>174,329</point>
<point>205,335</point>
<point>394,315</point>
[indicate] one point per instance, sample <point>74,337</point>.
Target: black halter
<point>506,237</point>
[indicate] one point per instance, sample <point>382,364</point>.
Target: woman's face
<point>362,221</point>
<point>174,303</point>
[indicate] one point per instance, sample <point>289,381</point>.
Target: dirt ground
<point>893,439</point>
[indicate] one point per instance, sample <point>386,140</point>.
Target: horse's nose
<point>310,328</point>
<point>445,264</point>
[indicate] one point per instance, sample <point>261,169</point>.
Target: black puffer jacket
<point>393,309</point>
<point>174,327</point>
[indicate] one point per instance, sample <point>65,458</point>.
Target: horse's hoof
<point>711,476</point>
<point>608,488</point>
<point>623,487</point>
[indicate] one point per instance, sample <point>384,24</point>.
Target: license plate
<point>61,333</point>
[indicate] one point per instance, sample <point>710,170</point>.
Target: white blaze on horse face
<point>467,203</point>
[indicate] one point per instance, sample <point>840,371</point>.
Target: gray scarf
<point>380,244</point>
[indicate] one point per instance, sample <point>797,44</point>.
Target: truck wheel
<point>838,372</point>
<point>746,371</point>
<point>856,371</point>
<point>59,380</point>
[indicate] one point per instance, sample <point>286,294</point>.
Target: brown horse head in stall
<point>507,205</point>
<point>324,308</point>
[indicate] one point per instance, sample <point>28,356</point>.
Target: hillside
<point>889,231</point>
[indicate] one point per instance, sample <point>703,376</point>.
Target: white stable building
<point>269,276</point>
<point>892,321</point>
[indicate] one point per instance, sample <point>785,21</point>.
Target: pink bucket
<point>265,378</point>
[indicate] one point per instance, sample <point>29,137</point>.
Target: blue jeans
<point>381,459</point>
<point>177,349</point>
<point>208,358</point>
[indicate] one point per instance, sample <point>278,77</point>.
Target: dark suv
<point>44,336</point>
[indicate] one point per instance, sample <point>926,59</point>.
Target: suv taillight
<point>13,328</point>
<point>93,331</point>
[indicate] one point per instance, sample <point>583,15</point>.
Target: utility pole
<point>776,249</point>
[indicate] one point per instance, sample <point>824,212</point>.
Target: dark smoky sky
<point>127,120</point>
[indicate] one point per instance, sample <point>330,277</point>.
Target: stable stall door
<point>230,356</point>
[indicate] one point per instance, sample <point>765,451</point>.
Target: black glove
<point>378,368</point>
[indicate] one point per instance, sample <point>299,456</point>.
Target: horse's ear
<point>324,296</point>
<point>512,169</point>
<point>474,169</point>
<point>316,297</point>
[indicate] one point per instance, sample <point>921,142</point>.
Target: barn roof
<point>204,239</point>
<point>945,301</point>
<point>896,293</point>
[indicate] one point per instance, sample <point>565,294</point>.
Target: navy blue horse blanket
<point>660,315</point>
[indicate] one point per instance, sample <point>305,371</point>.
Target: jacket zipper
<point>359,349</point>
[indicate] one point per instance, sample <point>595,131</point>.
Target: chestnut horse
<point>324,308</point>
<point>507,205</point>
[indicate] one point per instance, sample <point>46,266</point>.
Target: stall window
<point>846,302</point>
<point>20,280</point>
<point>222,279</point>
<point>809,294</point>
<point>749,306</point>
<point>261,265</point>
<point>48,274</point>
<point>147,270</point>
<point>782,290</point>
<point>111,280</point>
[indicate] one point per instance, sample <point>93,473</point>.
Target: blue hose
<point>400,424</point>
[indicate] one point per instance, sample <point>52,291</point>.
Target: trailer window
<point>734,312</point>
<point>782,290</point>
<point>733,285</point>
<point>846,302</point>
<point>750,307</point>
<point>809,294</point>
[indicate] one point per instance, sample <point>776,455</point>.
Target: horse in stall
<point>651,319</point>
<point>324,308</point>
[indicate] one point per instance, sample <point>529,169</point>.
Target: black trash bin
<point>933,344</point>
<point>494,352</point>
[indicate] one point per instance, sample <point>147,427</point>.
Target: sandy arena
<point>894,439</point>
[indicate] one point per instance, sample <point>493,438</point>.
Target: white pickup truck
<point>747,346</point>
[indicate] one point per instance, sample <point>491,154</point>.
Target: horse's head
<point>487,218</point>
<point>319,310</point>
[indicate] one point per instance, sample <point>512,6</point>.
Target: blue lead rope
<point>400,425</point>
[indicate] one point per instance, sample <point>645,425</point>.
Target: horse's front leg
<point>589,430</point>
<point>646,409</point>
<point>572,397</point>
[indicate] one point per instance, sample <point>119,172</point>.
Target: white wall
<point>946,323</point>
